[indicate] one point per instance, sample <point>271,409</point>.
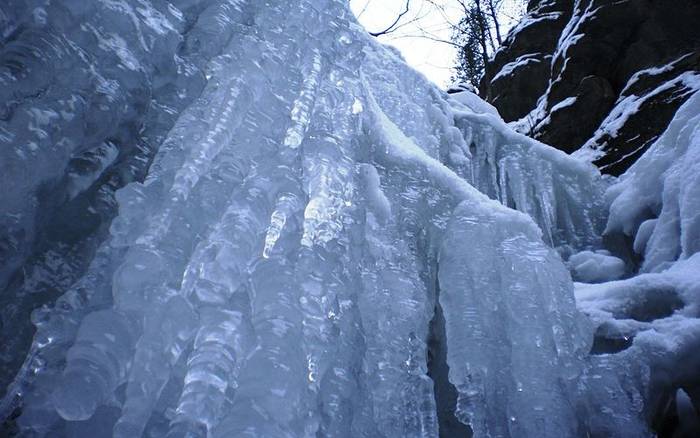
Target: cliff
<point>598,78</point>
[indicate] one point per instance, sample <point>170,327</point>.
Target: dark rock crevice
<point>438,371</point>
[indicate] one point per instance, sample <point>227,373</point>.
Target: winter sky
<point>433,58</point>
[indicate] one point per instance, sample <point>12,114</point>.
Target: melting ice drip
<point>277,272</point>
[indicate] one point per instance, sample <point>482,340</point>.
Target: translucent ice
<point>296,210</point>
<point>520,316</point>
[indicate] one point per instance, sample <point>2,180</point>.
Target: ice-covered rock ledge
<point>651,321</point>
<point>324,244</point>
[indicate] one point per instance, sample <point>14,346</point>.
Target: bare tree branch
<point>431,38</point>
<point>494,6</point>
<point>475,26</point>
<point>392,27</point>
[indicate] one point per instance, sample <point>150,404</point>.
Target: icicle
<point>96,364</point>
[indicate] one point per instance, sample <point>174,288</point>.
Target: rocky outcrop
<point>598,78</point>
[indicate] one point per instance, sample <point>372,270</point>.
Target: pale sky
<point>433,58</point>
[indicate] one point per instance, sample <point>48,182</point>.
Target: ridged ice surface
<point>281,214</point>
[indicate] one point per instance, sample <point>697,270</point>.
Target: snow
<point>595,267</point>
<point>563,104</point>
<point>530,19</point>
<point>571,33</point>
<point>643,234</point>
<point>657,314</point>
<point>538,118</point>
<point>520,62</point>
<point>650,320</point>
<point>474,102</point>
<point>653,71</point>
<point>268,253</point>
<point>657,198</point>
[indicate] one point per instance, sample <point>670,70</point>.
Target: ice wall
<point>309,202</point>
<point>88,92</point>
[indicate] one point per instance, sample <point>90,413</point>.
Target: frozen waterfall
<point>247,218</point>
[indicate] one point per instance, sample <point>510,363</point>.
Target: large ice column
<point>514,338</point>
<point>517,348</point>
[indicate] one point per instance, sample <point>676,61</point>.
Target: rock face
<point>601,78</point>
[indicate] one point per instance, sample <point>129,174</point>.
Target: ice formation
<point>651,319</point>
<point>311,239</point>
<point>657,201</point>
<point>596,266</point>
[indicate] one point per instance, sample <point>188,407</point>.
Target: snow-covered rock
<point>596,267</point>
<point>656,203</point>
<point>648,325</point>
<point>651,320</point>
<point>627,65</point>
<point>472,101</point>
